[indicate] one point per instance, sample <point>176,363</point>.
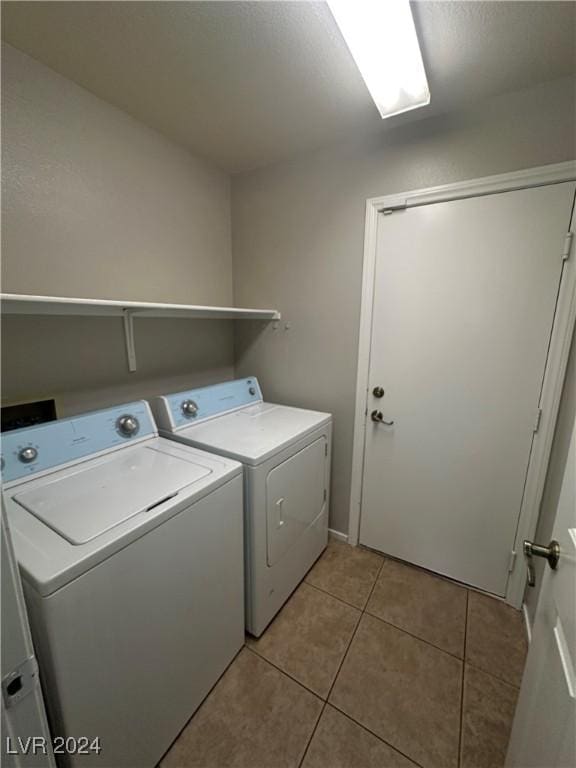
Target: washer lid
<point>88,502</point>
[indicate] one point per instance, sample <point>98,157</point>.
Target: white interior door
<point>465,295</point>
<point>544,730</point>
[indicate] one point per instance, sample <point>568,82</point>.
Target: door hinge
<point>392,209</point>
<point>537,420</point>
<point>567,246</point>
<point>512,561</point>
<point>326,450</point>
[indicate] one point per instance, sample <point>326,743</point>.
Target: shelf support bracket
<point>128,319</point>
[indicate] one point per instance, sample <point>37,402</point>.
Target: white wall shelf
<point>62,306</point>
<point>20,304</point>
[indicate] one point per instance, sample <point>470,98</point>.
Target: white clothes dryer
<point>286,456</point>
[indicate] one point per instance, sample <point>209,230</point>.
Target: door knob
<point>551,553</point>
<point>379,418</point>
<point>378,391</point>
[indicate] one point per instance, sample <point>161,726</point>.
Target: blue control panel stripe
<point>213,400</point>
<point>60,442</point>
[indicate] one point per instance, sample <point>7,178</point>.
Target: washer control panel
<point>185,408</point>
<point>26,452</point>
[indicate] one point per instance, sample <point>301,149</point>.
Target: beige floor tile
<point>486,719</point>
<point>309,637</point>
<point>403,690</point>
<point>424,605</point>
<point>496,638</point>
<point>341,743</point>
<point>255,717</point>
<point>346,572</point>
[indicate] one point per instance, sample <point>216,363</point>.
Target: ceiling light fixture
<point>382,40</point>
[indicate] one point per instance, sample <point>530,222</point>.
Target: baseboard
<point>527,623</point>
<point>338,535</point>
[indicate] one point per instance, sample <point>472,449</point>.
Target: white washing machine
<point>286,455</point>
<point>131,552</point>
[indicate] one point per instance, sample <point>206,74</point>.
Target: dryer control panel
<point>182,409</point>
<point>34,450</point>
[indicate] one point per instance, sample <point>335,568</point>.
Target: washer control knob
<point>189,408</point>
<point>127,425</point>
<point>28,454</point>
<point>252,390</point>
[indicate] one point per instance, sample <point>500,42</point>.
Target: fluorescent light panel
<point>382,40</point>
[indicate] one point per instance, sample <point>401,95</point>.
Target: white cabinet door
<point>23,715</point>
<point>465,295</point>
<point>544,730</point>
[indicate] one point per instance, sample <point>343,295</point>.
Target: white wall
<point>95,204</point>
<point>298,231</point>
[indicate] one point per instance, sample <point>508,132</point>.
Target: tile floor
<point>370,664</point>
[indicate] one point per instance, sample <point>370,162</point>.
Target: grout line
<point>403,629</point>
<point>254,649</point>
<point>492,675</point>
<point>305,687</point>
<point>477,666</point>
<point>324,705</point>
<point>391,624</point>
<point>441,576</point>
<point>344,655</point>
<point>284,672</point>
<point>320,696</point>
<point>372,733</point>
<point>352,636</point>
<point>364,611</point>
<point>468,589</point>
<point>335,597</point>
<point>355,631</point>
<point>325,700</point>
<point>375,582</point>
<point>199,707</point>
<point>362,614</point>
<point>417,637</point>
<point>462,688</point>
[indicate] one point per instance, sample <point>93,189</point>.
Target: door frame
<point>564,321</point>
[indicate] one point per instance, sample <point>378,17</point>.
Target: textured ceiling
<point>248,83</point>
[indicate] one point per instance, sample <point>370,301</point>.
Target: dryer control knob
<point>189,408</point>
<point>28,454</point>
<point>127,425</point>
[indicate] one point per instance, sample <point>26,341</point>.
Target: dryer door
<point>295,496</point>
